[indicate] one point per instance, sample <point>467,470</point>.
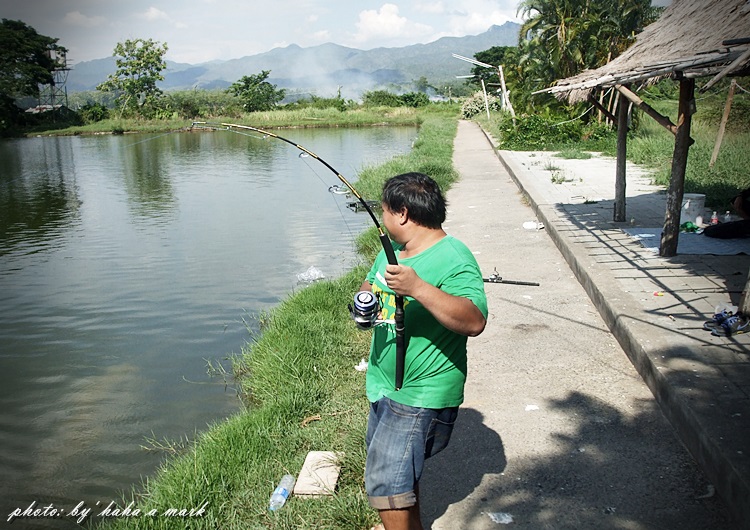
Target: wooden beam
<point>645,107</point>
<point>620,176</point>
<point>670,234</point>
<point>723,124</point>
<point>738,61</point>
<point>596,103</point>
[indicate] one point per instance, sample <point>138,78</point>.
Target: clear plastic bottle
<point>727,217</point>
<point>714,219</point>
<point>281,493</point>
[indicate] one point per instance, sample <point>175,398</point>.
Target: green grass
<point>650,145</point>
<point>307,117</point>
<point>302,394</point>
<point>574,153</point>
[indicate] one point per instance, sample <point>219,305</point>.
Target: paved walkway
<point>653,306</point>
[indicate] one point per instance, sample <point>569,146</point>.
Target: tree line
<point>558,39</point>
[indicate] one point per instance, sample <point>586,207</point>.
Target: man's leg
<point>406,519</point>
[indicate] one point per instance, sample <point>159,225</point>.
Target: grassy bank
<point>302,394</point>
<point>307,117</point>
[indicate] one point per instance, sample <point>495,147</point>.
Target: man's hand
<point>402,279</point>
<point>454,312</point>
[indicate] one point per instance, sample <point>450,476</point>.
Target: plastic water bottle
<point>714,219</point>
<point>281,493</point>
<point>727,217</point>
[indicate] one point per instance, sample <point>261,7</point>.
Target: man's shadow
<point>449,477</point>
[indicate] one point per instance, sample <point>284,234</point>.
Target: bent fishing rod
<point>384,239</point>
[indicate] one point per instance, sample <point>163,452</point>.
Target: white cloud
<point>322,36</point>
<point>435,8</point>
<point>153,14</point>
<point>386,25</point>
<point>76,18</point>
<point>473,23</point>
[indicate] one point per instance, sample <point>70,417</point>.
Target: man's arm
<point>456,313</point>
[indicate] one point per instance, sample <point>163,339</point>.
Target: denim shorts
<point>399,439</point>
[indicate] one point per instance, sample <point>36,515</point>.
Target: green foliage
<point>315,102</point>
<point>506,56</point>
<point>256,93</point>
<point>415,99</point>
<point>572,35</point>
<point>139,66</point>
<point>93,112</point>
<point>559,39</point>
<point>380,98</point>
<point>535,132</point>
<point>27,60</point>
<point>200,104</point>
<point>574,153</point>
<point>383,98</point>
<point>665,89</point>
<point>422,85</point>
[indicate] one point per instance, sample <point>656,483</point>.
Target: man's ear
<point>404,216</point>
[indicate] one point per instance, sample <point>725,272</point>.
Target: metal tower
<point>55,94</point>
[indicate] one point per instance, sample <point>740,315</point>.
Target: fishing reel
<point>365,310</point>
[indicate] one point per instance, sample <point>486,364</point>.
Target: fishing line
<point>183,129</point>
<point>303,157</point>
<point>384,239</point>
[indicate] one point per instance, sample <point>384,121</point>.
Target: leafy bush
<point>534,132</point>
<point>475,105</point>
<point>414,99</point>
<point>380,98</point>
<point>191,104</point>
<point>93,112</point>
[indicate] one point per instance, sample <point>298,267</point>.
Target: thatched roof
<point>692,37</point>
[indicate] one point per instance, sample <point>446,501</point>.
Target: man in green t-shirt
<point>444,303</point>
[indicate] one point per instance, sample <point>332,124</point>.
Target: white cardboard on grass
<point>319,474</point>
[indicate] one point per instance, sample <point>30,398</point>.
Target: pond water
<point>127,265</point>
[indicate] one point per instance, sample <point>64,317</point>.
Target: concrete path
<point>559,429</point>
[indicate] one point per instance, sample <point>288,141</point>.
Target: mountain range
<point>322,70</point>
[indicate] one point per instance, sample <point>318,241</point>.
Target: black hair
<point>419,194</point>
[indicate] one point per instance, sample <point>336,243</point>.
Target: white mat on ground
<point>691,243</point>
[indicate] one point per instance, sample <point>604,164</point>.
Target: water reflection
<point>37,199</point>
<point>124,265</point>
<point>147,179</point>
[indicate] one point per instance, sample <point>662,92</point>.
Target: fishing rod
<point>496,278</point>
<point>384,239</point>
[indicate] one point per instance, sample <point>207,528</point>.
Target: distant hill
<point>322,69</point>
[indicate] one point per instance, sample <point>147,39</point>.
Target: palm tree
<point>573,35</point>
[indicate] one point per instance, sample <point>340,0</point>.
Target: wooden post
<point>622,152</point>
<point>506,96</point>
<point>723,125</point>
<point>613,104</point>
<point>486,104</point>
<point>670,234</point>
<point>745,297</point>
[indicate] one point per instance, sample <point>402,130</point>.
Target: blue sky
<point>203,30</point>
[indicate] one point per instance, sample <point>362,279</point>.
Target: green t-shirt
<point>435,365</point>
